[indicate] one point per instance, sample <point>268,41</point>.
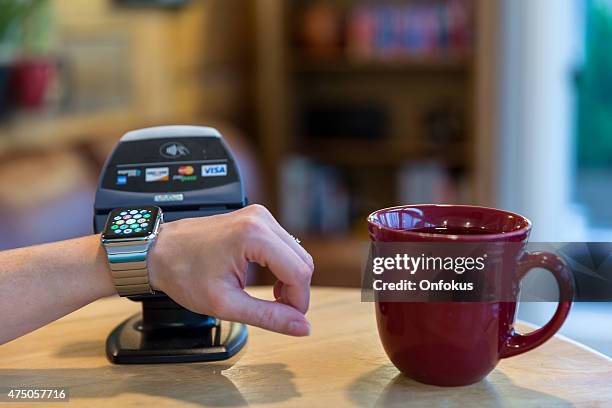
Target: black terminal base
<point>168,333</point>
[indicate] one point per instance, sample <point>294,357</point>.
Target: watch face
<point>132,222</point>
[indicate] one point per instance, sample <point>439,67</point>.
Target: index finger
<point>269,250</point>
<point>289,239</point>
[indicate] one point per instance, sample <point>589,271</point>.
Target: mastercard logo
<point>185,170</point>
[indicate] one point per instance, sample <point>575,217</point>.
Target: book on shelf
<point>313,197</point>
<point>371,31</point>
<point>422,182</point>
<point>395,31</point>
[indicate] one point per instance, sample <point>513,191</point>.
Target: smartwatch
<point>127,237</point>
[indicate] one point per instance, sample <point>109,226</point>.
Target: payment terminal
<point>183,171</point>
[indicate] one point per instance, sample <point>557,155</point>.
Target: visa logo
<point>214,170</point>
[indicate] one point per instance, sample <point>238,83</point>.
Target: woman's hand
<point>201,263</point>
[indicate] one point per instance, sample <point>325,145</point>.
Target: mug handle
<point>520,343</point>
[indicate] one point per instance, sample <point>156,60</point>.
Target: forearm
<point>43,283</point>
<point>200,263</point>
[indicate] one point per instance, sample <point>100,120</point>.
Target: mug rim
<point>480,237</point>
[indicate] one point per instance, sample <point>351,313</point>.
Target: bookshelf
<point>362,116</point>
<point>444,65</point>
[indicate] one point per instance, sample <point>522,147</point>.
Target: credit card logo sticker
<point>157,174</point>
<point>185,173</point>
<point>185,170</point>
<point>121,180</point>
<point>129,172</point>
<point>184,178</point>
<point>214,170</point>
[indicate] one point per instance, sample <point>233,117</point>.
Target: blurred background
<point>334,108</point>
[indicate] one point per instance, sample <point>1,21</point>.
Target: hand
<point>201,264</point>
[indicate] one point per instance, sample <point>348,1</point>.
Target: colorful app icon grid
<point>129,221</point>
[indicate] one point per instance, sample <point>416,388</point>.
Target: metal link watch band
<point>128,265</point>
<point>127,253</point>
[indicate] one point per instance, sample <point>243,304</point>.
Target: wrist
<point>157,264</point>
<point>154,268</point>
<point>103,271</point>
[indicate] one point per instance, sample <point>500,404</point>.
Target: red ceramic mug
<point>459,343</point>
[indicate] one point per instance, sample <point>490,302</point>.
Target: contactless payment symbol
<point>173,150</point>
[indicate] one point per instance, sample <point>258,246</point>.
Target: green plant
<point>37,27</point>
<point>595,89</point>
<point>25,25</point>
<point>12,13</point>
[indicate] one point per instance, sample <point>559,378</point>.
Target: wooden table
<point>341,364</point>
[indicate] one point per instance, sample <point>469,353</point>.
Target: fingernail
<point>310,262</point>
<point>299,328</point>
